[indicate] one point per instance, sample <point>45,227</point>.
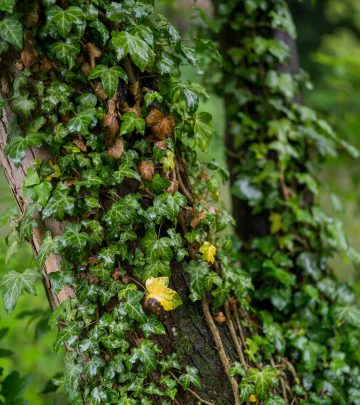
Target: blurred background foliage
<point>329,50</point>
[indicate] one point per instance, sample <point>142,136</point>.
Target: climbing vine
<point>275,146</point>
<point>92,88</point>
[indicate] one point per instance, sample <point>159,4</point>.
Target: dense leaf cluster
<point>275,145</point>
<point>97,86</point>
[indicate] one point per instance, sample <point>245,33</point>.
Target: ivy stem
<point>218,342</point>
<point>234,336</point>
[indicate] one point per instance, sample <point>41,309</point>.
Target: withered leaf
<point>116,150</point>
<point>80,144</point>
<point>146,169</point>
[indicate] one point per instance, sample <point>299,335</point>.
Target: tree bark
<point>188,331</point>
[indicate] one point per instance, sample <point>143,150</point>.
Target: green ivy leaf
<point>66,51</point>
<point>146,354</point>
<point>11,31</point>
<point>22,104</point>
<point>125,43</point>
<point>13,386</point>
<point>7,5</point>
<point>124,171</point>
<point>124,211</point>
<point>82,121</point>
<point>17,146</point>
<point>63,20</point>
<point>191,377</point>
<point>263,380</point>
<point>47,246</point>
<point>72,238</point>
<point>153,327</point>
<point>13,284</point>
<point>132,305</point>
<point>130,122</point>
<point>60,203</point>
<point>203,129</point>
<point>198,272</point>
<point>109,77</point>
<point>157,248</point>
<point>68,335</point>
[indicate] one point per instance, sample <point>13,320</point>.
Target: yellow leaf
<point>253,398</point>
<point>168,161</point>
<point>276,222</point>
<point>158,289</point>
<point>209,251</point>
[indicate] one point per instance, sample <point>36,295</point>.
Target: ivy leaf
<point>151,96</point>
<point>125,170</point>
<point>123,212</point>
<point>243,189</point>
<point>154,268</point>
<point>7,5</point>
<point>66,51</point>
<point>72,238</point>
<point>168,205</point>
<point>146,354</point>
<point>17,146</point>
<point>125,43</point>
<point>22,104</point>
<point>82,121</point>
<point>157,248</point>
<point>132,305</point>
<point>64,19</point>
<point>198,272</point>
<point>209,251</point>
<point>153,327</point>
<point>11,31</point>
<point>130,122</point>
<point>191,377</point>
<point>13,284</point>
<point>168,161</point>
<point>263,380</point>
<point>47,246</point>
<point>203,129</point>
<point>60,203</point>
<point>68,335</point>
<point>158,289</point>
<point>109,77</point>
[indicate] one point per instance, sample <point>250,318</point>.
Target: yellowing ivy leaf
<point>209,251</point>
<point>276,222</point>
<point>158,289</point>
<point>168,161</point>
<point>253,398</point>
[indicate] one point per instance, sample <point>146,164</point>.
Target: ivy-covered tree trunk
<point>274,147</point>
<point>98,142</point>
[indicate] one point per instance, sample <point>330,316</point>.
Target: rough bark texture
<point>188,332</point>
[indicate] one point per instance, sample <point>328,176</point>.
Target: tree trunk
<point>189,333</point>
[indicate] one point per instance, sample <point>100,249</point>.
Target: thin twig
<point>223,357</point>
<point>182,186</point>
<point>234,336</point>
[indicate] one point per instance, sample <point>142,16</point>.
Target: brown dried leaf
<point>80,144</point>
<point>146,169</point>
<point>46,65</point>
<point>161,145</point>
<point>112,126</point>
<point>174,186</point>
<point>86,69</point>
<point>199,216</point>
<point>164,128</point>
<point>220,317</point>
<point>94,52</point>
<point>115,151</point>
<point>154,117</point>
<point>116,275</point>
